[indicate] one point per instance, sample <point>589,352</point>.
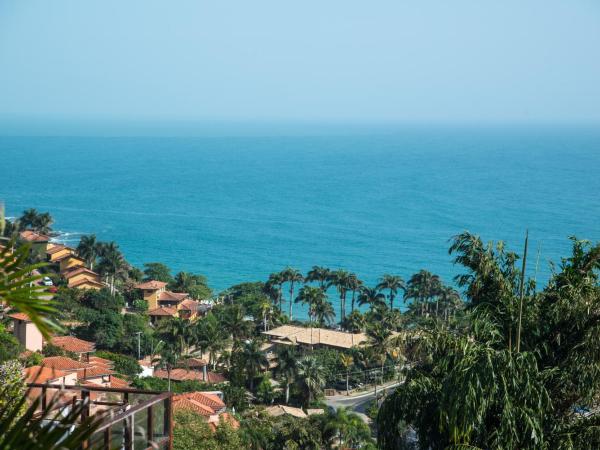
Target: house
<point>69,262</point>
<point>75,345</point>
<point>57,252</point>
<point>26,332</point>
<point>163,303</point>
<point>151,290</point>
<point>47,375</point>
<point>83,278</point>
<point>293,335</point>
<point>208,405</point>
<point>183,374</point>
<point>96,372</point>
<point>39,242</point>
<point>281,410</point>
<point>162,313</point>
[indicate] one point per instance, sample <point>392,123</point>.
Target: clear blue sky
<point>421,60</point>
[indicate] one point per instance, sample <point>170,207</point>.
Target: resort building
<point>293,335</point>
<point>163,304</point>
<point>151,291</point>
<point>70,262</point>
<point>97,372</point>
<point>39,242</point>
<point>57,252</point>
<point>26,332</point>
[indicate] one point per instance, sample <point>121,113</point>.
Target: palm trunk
<point>169,378</point>
<point>391,301</point>
<point>347,382</point>
<point>353,298</point>
<point>291,297</point>
<point>437,305</point>
<point>287,393</point>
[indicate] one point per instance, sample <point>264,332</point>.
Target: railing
<point>132,419</point>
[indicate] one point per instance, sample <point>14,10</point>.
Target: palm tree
<point>421,287</point>
<point>347,361</point>
<point>311,296</point>
<point>345,429</point>
<point>291,276</point>
<point>379,339</point>
<point>178,332</point>
<point>355,322</point>
<point>311,379</point>
<point>253,359</point>
<point>88,249</point>
<point>112,264</point>
<point>393,283</point>
<point>287,367</point>
<point>450,300</point>
<point>273,288</point>
<point>265,306</point>
<point>28,219</point>
<point>211,336</point>
<point>323,311</point>
<point>371,296</point>
<point>354,284</point>
<point>39,222</point>
<point>233,321</point>
<point>169,357</point>
<point>341,280</point>
<point>319,274</point>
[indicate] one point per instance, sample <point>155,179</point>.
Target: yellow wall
<point>70,262</point>
<point>152,298</point>
<point>60,253</point>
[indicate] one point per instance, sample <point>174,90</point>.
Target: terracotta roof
<point>152,285</point>
<point>39,374</point>
<point>206,398</point>
<point>194,362</point>
<point>32,236</point>
<point>97,361</point>
<point>185,374</point>
<point>65,256</point>
<point>79,270</point>
<point>56,248</point>
<point>116,382</point>
<point>20,316</point>
<point>173,296</point>
<point>73,344</point>
<point>189,305</point>
<point>191,405</point>
<point>63,363</point>
<point>93,372</point>
<point>86,282</point>
<point>163,311</point>
<point>280,410</point>
<point>317,336</point>
<point>204,403</point>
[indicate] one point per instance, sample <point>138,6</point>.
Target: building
<point>39,242</point>
<point>26,332</point>
<point>185,374</point>
<point>83,278</point>
<point>293,335</point>
<point>151,291</point>
<point>57,252</point>
<point>208,405</point>
<point>96,371</point>
<point>70,262</point>
<point>163,303</point>
<point>71,344</point>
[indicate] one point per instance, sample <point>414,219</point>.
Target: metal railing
<point>131,419</point>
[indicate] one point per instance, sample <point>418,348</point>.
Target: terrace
<point>130,418</point>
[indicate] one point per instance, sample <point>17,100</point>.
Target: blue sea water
<point>375,200</point>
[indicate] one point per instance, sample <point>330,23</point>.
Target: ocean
<point>237,206</point>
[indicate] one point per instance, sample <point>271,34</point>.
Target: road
<point>357,403</point>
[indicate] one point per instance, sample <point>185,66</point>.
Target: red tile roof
<point>97,361</point>
<point>194,362</point>
<point>116,382</point>
<point>63,363</point>
<point>151,285</point>
<point>73,344</point>
<point>163,311</point>
<point>39,374</point>
<point>211,400</point>
<point>93,372</point>
<point>79,270</point>
<point>189,305</point>
<point>32,236</point>
<point>20,316</point>
<point>173,296</point>
<point>185,374</point>
<point>57,248</point>
<point>202,403</point>
<point>85,281</point>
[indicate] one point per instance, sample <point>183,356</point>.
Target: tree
<point>371,296</point>
<point>291,276</point>
<point>157,271</point>
<point>9,346</point>
<point>273,289</point>
<point>422,287</point>
<point>321,275</point>
<point>287,367</point>
<point>178,333</point>
<point>470,387</point>
<point>112,264</point>
<point>253,360</point>
<point>347,361</point>
<point>323,311</point>
<point>33,220</point>
<point>450,300</point>
<point>88,249</point>
<point>191,431</point>
<point>195,285</point>
<point>393,284</point>
<point>125,365</point>
<point>311,379</point>
<point>345,429</point>
<point>354,284</point>
<point>355,322</point>
<point>381,345</point>
<point>233,320</point>
<point>210,336</point>
<point>169,357</point>
<point>311,296</point>
<point>341,280</point>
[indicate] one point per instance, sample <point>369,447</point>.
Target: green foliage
<point>235,397</point>
<point>157,271</point>
<point>124,365</point>
<point>9,346</point>
<point>264,391</point>
<point>158,384</point>
<point>52,350</point>
<point>195,285</point>
<point>332,368</point>
<point>31,359</point>
<point>192,432</point>
<point>31,219</point>
<point>13,385</point>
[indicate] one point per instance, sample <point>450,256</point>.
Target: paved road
<point>358,403</point>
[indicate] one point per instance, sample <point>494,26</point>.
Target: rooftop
<point>280,410</point>
<point>163,311</point>
<point>73,344</point>
<point>79,270</point>
<point>152,285</point>
<point>316,336</point>
<point>20,316</point>
<point>40,374</point>
<point>181,374</point>
<point>173,296</point>
<point>64,363</point>
<point>32,236</point>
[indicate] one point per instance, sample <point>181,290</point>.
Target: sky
<point>311,60</point>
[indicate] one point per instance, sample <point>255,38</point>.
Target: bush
<point>124,365</point>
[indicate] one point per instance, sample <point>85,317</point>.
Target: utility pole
<point>139,336</point>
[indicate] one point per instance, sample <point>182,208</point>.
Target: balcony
<point>129,418</point>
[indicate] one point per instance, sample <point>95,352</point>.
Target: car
<point>53,289</point>
<point>46,281</point>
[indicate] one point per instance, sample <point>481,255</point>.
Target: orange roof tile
<point>79,270</point>
<point>63,363</point>
<point>85,281</point>
<point>211,400</point>
<point>97,361</point>
<point>189,305</point>
<point>32,236</point>
<point>73,344</point>
<point>173,296</point>
<point>93,372</point>
<point>116,382</point>
<point>20,316</point>
<point>57,248</point>
<point>39,374</point>
<point>152,285</point>
<point>185,374</point>
<point>163,311</point>
<point>184,403</point>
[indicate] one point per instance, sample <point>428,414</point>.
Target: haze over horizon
<point>198,61</point>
